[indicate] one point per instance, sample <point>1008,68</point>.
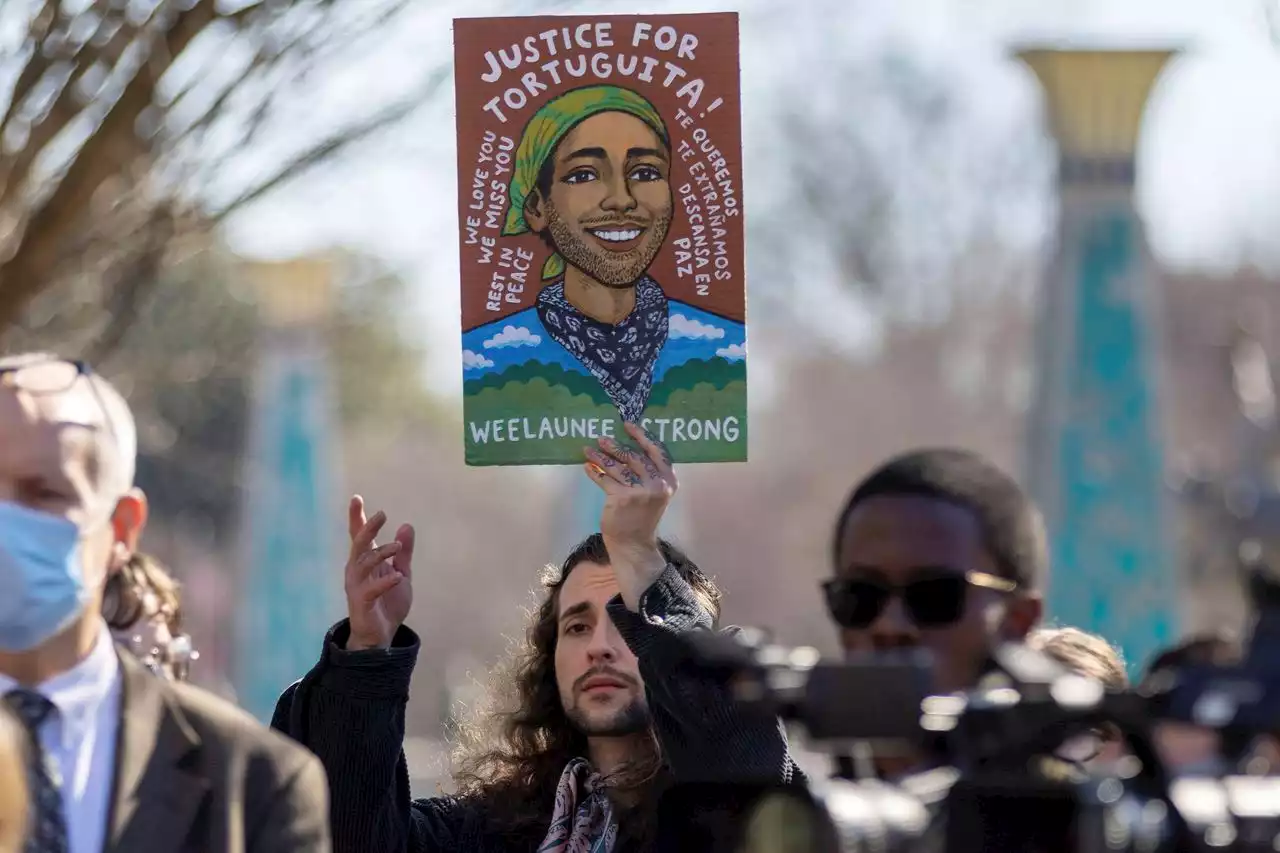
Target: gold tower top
<point>1095,99</point>
<point>295,292</point>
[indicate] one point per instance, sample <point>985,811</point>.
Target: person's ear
<point>535,211</point>
<point>127,523</point>
<point>1021,616</point>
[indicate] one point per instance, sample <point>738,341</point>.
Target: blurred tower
<point>291,588</point>
<point>1096,460</point>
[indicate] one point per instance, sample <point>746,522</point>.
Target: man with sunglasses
<point>118,759</point>
<point>941,550</point>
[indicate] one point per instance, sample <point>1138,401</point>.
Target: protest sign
<point>601,229</point>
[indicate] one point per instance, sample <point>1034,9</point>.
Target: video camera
<point>987,777</point>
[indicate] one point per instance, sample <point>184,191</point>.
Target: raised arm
<point>705,735</point>
<point>350,708</point>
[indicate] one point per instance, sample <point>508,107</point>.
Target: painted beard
<point>632,719</point>
<point>612,269</point>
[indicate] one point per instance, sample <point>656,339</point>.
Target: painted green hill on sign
<point>544,414</point>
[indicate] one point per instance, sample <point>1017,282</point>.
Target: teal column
<point>1098,438</point>
<point>294,521</point>
<point>1096,446</point>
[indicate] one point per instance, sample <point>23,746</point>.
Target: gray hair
<point>121,435</point>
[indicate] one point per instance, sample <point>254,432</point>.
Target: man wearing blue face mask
<point>119,759</point>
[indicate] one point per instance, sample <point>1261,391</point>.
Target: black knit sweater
<point>350,711</point>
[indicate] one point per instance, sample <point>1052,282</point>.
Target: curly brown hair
<point>125,600</point>
<point>509,757</point>
<point>1082,652</point>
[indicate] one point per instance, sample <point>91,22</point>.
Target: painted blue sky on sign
<point>520,338</point>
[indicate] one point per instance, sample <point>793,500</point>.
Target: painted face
<point>610,202</point>
<point>923,549</point>
<point>598,677</point>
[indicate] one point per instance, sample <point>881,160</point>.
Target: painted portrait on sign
<point>592,180</point>
<point>601,236</point>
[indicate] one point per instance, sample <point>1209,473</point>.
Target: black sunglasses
<point>930,602</point>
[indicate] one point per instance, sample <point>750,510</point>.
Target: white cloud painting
<point>513,336</point>
<point>474,360</point>
<point>684,327</point>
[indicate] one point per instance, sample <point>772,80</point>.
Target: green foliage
<point>572,381</point>
<point>533,395</point>
<point>551,423</point>
<point>716,372</point>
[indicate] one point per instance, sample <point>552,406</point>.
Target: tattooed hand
<point>662,448</point>
<point>638,485</point>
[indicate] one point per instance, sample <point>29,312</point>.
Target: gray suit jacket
<point>195,774</point>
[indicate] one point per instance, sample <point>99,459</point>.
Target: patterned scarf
<point>621,357</point>
<point>583,818</point>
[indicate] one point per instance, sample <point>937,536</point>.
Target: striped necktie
<point>47,832</point>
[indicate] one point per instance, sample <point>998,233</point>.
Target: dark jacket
<point>195,773</point>
<point>350,711</point>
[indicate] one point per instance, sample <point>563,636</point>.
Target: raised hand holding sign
<point>638,486</point>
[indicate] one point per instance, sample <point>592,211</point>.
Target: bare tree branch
<point>118,132</point>
<point>37,63</point>
<point>135,277</point>
<point>49,227</point>
<point>333,145</point>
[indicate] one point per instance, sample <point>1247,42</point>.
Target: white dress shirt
<point>80,738</point>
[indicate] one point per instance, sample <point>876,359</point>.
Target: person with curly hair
<point>593,720</point>
<point>1082,653</point>
<point>142,604</point>
<point>1092,656</point>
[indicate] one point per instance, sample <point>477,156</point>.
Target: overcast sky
<point>1209,167</point>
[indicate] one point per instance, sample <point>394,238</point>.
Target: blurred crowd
<point>104,746</point>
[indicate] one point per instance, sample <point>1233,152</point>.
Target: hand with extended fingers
<point>638,485</point>
<point>379,579</point>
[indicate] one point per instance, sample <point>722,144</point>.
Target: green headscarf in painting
<point>543,133</point>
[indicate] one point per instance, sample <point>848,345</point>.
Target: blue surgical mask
<point>42,588</point>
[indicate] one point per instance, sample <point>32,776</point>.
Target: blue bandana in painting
<point>620,357</point>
